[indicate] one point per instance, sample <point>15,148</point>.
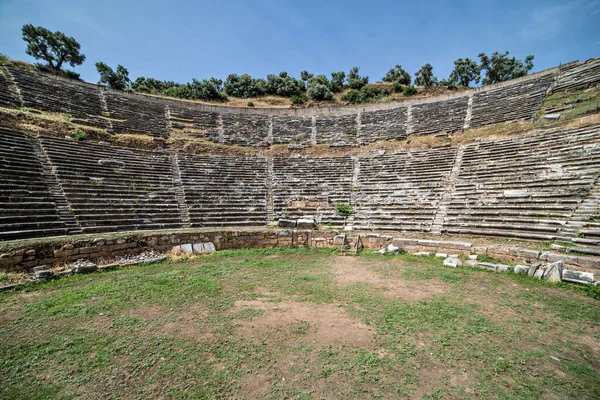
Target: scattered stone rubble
<point>552,272</point>
<point>85,266</point>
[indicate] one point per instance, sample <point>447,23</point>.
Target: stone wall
<point>120,112</point>
<point>105,248</point>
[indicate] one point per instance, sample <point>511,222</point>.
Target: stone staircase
<point>57,194</point>
<point>442,211</point>
<point>184,210</point>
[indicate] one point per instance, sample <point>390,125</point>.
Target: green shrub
<point>355,81</point>
<point>364,95</point>
<point>343,210</point>
<point>410,91</point>
<point>283,85</point>
<point>352,96</point>
<point>244,86</point>
<point>318,91</point>
<point>79,135</point>
<point>397,74</point>
<point>3,58</point>
<point>299,99</point>
<point>337,81</point>
<point>397,87</point>
<point>250,104</point>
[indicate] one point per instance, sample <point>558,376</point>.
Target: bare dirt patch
<point>349,270</point>
<point>318,324</point>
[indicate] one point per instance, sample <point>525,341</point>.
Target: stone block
<point>305,223</point>
<point>502,267</point>
<point>452,262</point>
<point>428,243</point>
<point>532,270</point>
<point>44,274</point>
<point>87,250</point>
<point>286,223</point>
<point>487,265</point>
<point>187,248</point>
<point>527,254</point>
<point>577,276</point>
<point>400,242</point>
<point>85,268</point>
<point>392,249</point>
<point>339,240</point>
<point>553,272</point>
<point>521,269</point>
<point>422,254</point>
<point>441,255</point>
<point>539,273</point>
<point>203,248</point>
<point>479,250</point>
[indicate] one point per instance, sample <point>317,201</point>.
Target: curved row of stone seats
<point>191,119</point>
<point>578,75</point>
<point>47,92</point>
<point>111,188</point>
<point>512,102</point>
<point>245,129</point>
<point>402,192</point>
<point>136,114</point>
<point>224,191</point>
<point>294,130</point>
<point>311,187</point>
<point>9,97</point>
<point>526,187</point>
<point>440,116</point>
<point>26,206</point>
<point>337,129</point>
<point>383,125</point>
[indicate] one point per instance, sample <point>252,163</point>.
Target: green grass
<point>216,327</point>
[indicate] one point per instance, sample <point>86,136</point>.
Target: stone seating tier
<point>519,101</point>
<point>543,186</point>
<point>121,112</point>
<point>50,93</point>
<point>311,187</point>
<point>26,205</point>
<point>9,97</point>
<point>221,191</point>
<point>112,188</point>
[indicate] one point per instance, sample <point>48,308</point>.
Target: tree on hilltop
<point>465,71</point>
<point>397,74</point>
<point>118,79</point>
<point>424,77</point>
<point>337,81</point>
<point>55,48</point>
<point>244,86</point>
<point>283,85</point>
<point>355,81</point>
<point>306,76</point>
<point>499,67</point>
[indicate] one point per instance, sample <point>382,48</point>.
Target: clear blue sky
<point>180,40</point>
